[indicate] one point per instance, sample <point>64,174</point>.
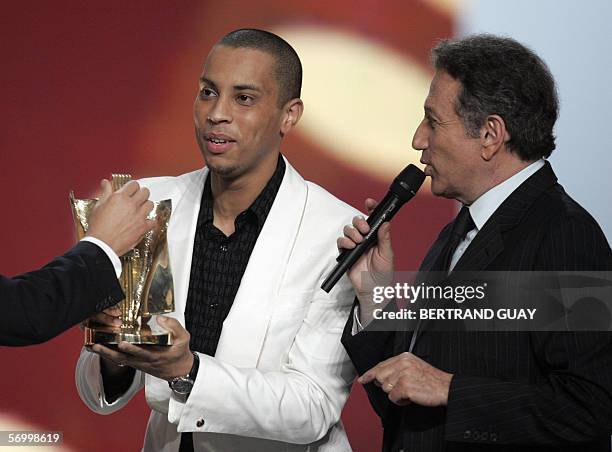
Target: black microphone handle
<point>383,212</point>
<point>388,201</point>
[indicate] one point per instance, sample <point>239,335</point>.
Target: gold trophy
<point>146,278</point>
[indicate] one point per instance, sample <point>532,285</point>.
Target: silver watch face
<point>181,385</point>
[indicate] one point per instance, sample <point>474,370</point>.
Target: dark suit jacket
<point>37,306</point>
<point>510,390</point>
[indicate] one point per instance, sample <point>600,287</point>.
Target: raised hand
<point>375,266</point>
<point>120,218</point>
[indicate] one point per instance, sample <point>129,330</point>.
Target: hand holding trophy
<point>146,278</point>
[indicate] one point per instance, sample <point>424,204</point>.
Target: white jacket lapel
<point>245,327</point>
<point>186,194</point>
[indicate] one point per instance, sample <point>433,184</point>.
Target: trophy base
<point>138,335</point>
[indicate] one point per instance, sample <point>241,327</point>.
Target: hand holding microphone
<point>359,239</point>
<point>375,267</point>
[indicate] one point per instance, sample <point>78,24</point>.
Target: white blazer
<point>280,376</point>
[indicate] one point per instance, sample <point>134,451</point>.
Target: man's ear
<point>494,136</point>
<point>292,112</point>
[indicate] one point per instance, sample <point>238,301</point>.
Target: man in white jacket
<point>256,362</point>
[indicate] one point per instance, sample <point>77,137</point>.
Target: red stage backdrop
<point>94,88</point>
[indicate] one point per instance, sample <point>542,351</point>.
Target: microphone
<point>402,190</point>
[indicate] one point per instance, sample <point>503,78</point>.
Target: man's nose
<point>420,140</point>
<point>220,111</point>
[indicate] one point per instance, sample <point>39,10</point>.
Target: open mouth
<point>217,143</point>
<point>218,138</point>
<point>215,140</point>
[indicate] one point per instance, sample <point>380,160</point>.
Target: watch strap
<point>194,368</point>
<point>189,378</point>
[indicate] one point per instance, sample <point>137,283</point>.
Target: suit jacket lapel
<point>488,243</point>
<point>245,327</point>
<point>485,247</point>
<point>185,193</point>
<point>432,255</point>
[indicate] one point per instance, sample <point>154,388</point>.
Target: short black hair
<point>500,76</point>
<point>288,66</point>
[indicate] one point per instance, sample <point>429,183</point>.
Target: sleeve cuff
<point>108,251</point>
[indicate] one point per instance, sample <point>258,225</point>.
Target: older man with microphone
<point>485,140</point>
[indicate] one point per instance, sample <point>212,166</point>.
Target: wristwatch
<point>182,386</point>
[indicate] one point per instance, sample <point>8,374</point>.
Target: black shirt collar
<point>260,208</point>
